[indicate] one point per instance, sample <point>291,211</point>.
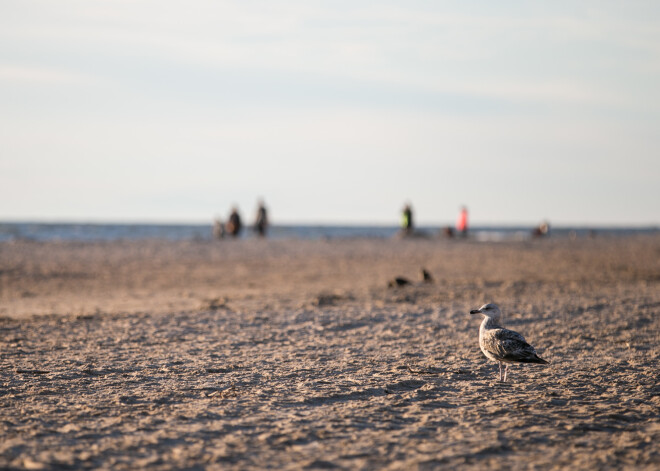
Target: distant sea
<point>36,231</point>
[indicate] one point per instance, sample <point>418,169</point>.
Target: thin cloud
<point>19,74</point>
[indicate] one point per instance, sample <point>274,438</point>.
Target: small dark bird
<point>426,276</point>
<point>398,281</point>
<point>500,344</point>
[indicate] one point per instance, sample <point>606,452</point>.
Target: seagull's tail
<point>533,359</point>
<point>538,359</point>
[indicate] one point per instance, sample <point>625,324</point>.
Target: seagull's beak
<point>475,311</point>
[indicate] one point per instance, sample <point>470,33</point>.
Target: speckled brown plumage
<point>500,344</point>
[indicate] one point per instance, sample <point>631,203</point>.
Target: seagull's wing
<point>508,345</point>
<point>506,335</point>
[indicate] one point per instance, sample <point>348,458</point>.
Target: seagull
<point>500,344</point>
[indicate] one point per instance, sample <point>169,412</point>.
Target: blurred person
<point>261,222</point>
<point>462,222</point>
<point>234,224</point>
<point>407,220</point>
<point>218,229</point>
<point>541,230</point>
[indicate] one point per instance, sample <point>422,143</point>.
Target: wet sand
<point>296,355</point>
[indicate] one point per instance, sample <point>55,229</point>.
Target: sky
<point>333,112</point>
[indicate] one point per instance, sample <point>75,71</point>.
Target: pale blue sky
<point>334,112</point>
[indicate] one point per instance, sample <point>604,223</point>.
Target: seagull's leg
<point>500,363</point>
<point>506,369</point>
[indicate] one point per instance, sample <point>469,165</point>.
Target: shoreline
<point>97,232</point>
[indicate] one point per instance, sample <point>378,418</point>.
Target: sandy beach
<point>295,354</point>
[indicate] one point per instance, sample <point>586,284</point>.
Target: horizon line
<point>423,224</point>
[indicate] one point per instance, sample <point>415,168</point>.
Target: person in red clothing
<point>462,223</point>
